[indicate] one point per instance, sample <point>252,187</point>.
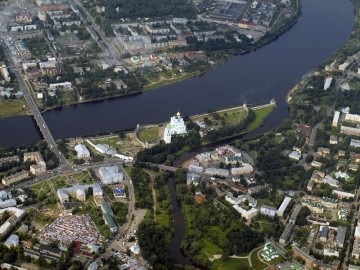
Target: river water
<point>256,77</point>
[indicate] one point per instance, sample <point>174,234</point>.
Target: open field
<point>149,134</point>
<point>9,107</point>
<point>127,145</point>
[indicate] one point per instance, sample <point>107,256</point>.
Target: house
<point>333,139</point>
<point>316,164</point>
<point>322,151</point>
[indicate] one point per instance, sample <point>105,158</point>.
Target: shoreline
<point>166,82</point>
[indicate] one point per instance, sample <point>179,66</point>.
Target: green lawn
<point>83,177</point>
<point>227,117</point>
<point>230,264</point>
<point>256,263</point>
<point>41,189</point>
<point>10,107</point>
<point>58,182</point>
<point>113,142</point>
<point>260,115</point>
<point>149,134</point>
<point>209,249</point>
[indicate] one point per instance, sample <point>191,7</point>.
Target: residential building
<point>217,172</point>
<point>199,197</point>
<point>352,117</point>
<point>175,127</point>
<point>295,213</point>
<point>296,155</point>
<point>310,261</point>
<point>268,210</point>
<point>356,249</point>
<point>316,164</point>
<point>335,121</point>
<point>247,214</point>
<point>283,206</point>
<point>82,151</point>
<point>355,143</point>
<point>343,194</point>
<point>333,139</point>
<point>340,236</point>
<point>322,151</point>
<point>327,83</point>
<point>286,233</point>
<point>324,231</point>
<point>40,166</point>
<point>15,178</point>
<point>350,130</point>
<point>60,86</point>
<point>242,170</point>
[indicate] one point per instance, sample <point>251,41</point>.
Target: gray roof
<point>324,232</point>
<point>340,236</point>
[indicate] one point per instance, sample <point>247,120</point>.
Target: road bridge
<point>24,87</point>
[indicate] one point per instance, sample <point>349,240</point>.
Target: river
<point>256,77</point>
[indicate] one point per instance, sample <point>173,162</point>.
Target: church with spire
<point>175,127</point>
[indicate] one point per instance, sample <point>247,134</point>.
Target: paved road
<point>35,111</point>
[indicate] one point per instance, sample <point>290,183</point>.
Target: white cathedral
<point>175,127</point>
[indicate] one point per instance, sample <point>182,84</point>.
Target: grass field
<point>230,264</point>
<point>227,117</point>
<point>260,116</point>
<point>10,107</point>
<point>209,249</point>
<point>149,134</point>
<point>113,142</point>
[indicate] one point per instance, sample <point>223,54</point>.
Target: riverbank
<point>275,33</point>
<point>13,107</point>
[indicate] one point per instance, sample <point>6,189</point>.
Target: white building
<point>352,117</point>
<point>355,143</point>
<point>82,151</point>
<point>327,83</point>
<point>175,127</point>
<point>110,175</point>
<point>60,86</point>
<point>296,155</point>
<point>283,206</point>
<point>343,194</point>
<point>12,241</point>
<point>244,213</point>
<point>343,66</point>
<point>242,170</point>
<point>268,211</point>
<point>335,121</point>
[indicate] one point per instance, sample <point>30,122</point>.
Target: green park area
<point>9,107</point>
<point>223,118</point>
<point>260,116</point>
<point>149,134</point>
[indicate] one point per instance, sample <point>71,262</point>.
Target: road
<point>35,110</point>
